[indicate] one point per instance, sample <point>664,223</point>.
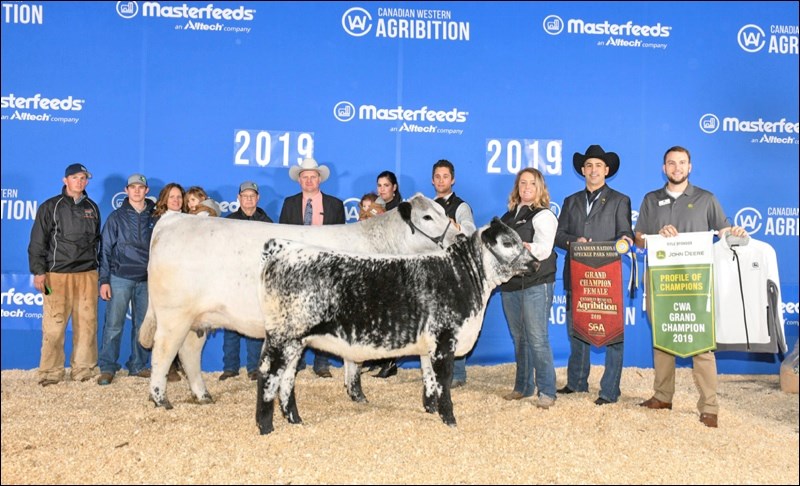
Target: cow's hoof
<point>359,398</point>
<point>430,404</point>
<point>265,429</point>
<point>449,420</point>
<point>162,403</point>
<point>204,400</point>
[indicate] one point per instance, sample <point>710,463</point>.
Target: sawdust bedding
<point>82,433</point>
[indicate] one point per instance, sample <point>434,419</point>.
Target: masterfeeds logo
<point>709,123</point>
<point>345,111</point>
<point>790,311</point>
<point>30,108</point>
<point>194,16</point>
<point>553,24</point>
<point>776,132</point>
<point>38,102</point>
<point>405,23</point>
<point>127,10</point>
<point>780,221</point>
<point>628,34</point>
<point>782,39</point>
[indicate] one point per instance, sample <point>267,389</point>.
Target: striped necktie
<point>307,215</point>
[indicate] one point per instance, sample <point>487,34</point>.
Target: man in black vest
<point>443,178</point>
<point>312,207</point>
<point>597,213</point>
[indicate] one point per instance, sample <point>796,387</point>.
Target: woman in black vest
<point>389,192</point>
<point>527,298</point>
<point>388,189</point>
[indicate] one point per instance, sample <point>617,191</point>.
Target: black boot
<point>388,368</point>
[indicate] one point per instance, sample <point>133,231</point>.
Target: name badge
<point>663,202</point>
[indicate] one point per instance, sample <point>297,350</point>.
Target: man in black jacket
<point>231,343</point>
<point>62,256</point>
<point>312,207</point>
<point>596,213</point>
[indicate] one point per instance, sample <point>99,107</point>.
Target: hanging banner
<point>597,306</point>
<point>681,296</point>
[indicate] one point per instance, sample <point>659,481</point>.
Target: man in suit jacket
<point>597,213</point>
<point>312,207</point>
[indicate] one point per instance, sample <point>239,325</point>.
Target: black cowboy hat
<point>596,152</point>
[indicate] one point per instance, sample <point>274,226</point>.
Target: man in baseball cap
<point>124,255</point>
<point>76,168</point>
<point>62,256</point>
<point>231,343</point>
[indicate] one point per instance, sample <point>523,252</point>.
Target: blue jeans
<point>231,344</point>
<point>124,291</point>
<point>460,369</point>
<point>578,364</point>
<point>527,312</point>
<point>321,361</point>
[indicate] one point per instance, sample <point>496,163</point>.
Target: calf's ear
<point>489,235</point>
<point>404,208</point>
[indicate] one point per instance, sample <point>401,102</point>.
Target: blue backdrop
<point>213,94</point>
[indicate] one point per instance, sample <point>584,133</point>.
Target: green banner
<point>681,293</point>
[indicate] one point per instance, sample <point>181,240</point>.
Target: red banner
<point>598,311</point>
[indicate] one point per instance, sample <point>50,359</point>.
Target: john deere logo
<point>661,254</point>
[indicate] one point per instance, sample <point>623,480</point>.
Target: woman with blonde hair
<point>527,298</point>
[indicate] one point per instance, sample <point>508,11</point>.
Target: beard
<point>677,181</point>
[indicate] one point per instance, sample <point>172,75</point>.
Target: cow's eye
<point>508,244</point>
<point>427,218</point>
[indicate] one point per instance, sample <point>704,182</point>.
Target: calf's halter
<point>513,261</point>
<point>439,240</point>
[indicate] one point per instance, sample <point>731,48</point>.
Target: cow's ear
<point>404,208</point>
<point>489,235</point>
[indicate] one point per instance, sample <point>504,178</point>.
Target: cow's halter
<point>439,240</point>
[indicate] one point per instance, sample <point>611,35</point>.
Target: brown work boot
<point>105,379</point>
<point>656,404</point>
<point>512,395</point>
<point>709,419</point>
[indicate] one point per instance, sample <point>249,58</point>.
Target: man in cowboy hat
<point>596,213</point>
<point>312,207</point>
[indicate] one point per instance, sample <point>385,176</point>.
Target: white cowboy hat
<point>309,164</point>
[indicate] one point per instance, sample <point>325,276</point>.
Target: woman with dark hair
<point>171,199</point>
<point>389,192</point>
<point>388,189</point>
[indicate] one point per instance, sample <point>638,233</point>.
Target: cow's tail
<point>147,332</point>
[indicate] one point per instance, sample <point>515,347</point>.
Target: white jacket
<point>748,304</point>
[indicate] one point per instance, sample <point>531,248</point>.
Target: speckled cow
<point>364,307</point>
